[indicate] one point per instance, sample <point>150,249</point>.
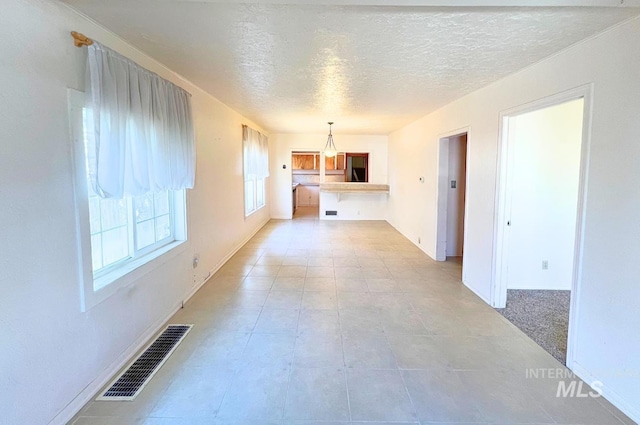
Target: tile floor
<point>320,323</point>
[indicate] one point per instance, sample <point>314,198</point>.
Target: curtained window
<point>134,131</point>
<point>142,129</point>
<point>255,149</point>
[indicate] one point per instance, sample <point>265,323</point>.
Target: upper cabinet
<point>310,161</point>
<point>305,161</point>
<point>335,163</point>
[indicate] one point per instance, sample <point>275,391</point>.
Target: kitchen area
<point>305,179</point>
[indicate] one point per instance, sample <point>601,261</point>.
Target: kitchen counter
<point>354,188</point>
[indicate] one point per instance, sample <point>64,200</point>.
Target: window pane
<point>96,251</point>
<point>161,202</point>
<point>113,213</point>
<point>249,196</point>
<point>94,215</point>
<point>145,233</point>
<point>260,193</point>
<point>115,245</point>
<point>163,227</point>
<point>143,207</point>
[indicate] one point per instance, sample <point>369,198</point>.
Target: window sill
<point>107,285</point>
<point>254,211</point>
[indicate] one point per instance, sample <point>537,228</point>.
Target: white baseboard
<point>89,392</point>
<point>419,246</point>
<point>222,262</point>
<point>465,283</point>
<point>614,398</point>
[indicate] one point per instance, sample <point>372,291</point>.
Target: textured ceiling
<point>292,68</point>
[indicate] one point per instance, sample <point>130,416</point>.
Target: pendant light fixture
<point>330,149</point>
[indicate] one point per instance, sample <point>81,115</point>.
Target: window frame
<point>364,155</point>
<point>258,184</point>
<point>97,287</point>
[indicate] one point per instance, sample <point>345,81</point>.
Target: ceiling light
<point>330,149</point>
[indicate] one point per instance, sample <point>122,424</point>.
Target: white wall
<point>455,196</point>
<point>545,170</point>
<point>280,148</point>
<point>51,351</point>
<point>354,206</point>
<point>607,347</point>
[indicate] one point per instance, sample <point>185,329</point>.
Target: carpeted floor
<point>543,316</point>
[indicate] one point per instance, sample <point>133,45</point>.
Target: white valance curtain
<point>143,128</point>
<point>256,154</point>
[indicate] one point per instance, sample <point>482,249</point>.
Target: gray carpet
<point>543,316</point>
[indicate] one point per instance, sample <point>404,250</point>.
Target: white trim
<point>320,174</point>
<point>124,273</point>
<point>89,392</point>
<point>75,101</point>
<point>472,289</point>
<point>498,284</point>
<point>633,412</point>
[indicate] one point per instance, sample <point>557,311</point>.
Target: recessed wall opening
<point>357,169</point>
<point>452,177</point>
<point>305,188</point>
<point>541,193</point>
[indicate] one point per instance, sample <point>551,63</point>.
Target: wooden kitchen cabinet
<point>308,195</point>
<point>305,161</point>
<point>302,161</point>
<point>335,163</point>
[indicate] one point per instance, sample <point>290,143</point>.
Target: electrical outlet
<point>545,265</point>
<point>196,260</point>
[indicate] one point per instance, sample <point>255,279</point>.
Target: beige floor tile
<point>367,350</point>
<point>284,300</point>
<point>319,321</point>
<point>320,284</point>
<point>278,321</point>
<point>256,393</point>
<point>320,272</point>
<point>317,394</point>
<point>318,349</point>
<point>319,300</point>
<point>195,393</point>
<point>288,284</point>
<point>440,396</point>
<point>342,323</point>
<point>269,350</point>
<point>378,395</point>
<point>292,271</point>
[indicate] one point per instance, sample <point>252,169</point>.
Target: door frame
<point>442,192</point>
<point>502,206</point>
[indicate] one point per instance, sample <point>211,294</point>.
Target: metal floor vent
<point>129,384</point>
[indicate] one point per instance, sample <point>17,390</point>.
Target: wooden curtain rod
<point>80,39</point>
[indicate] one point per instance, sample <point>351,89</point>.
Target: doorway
<point>305,184</point>
<point>452,184</point>
<point>539,219</point>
